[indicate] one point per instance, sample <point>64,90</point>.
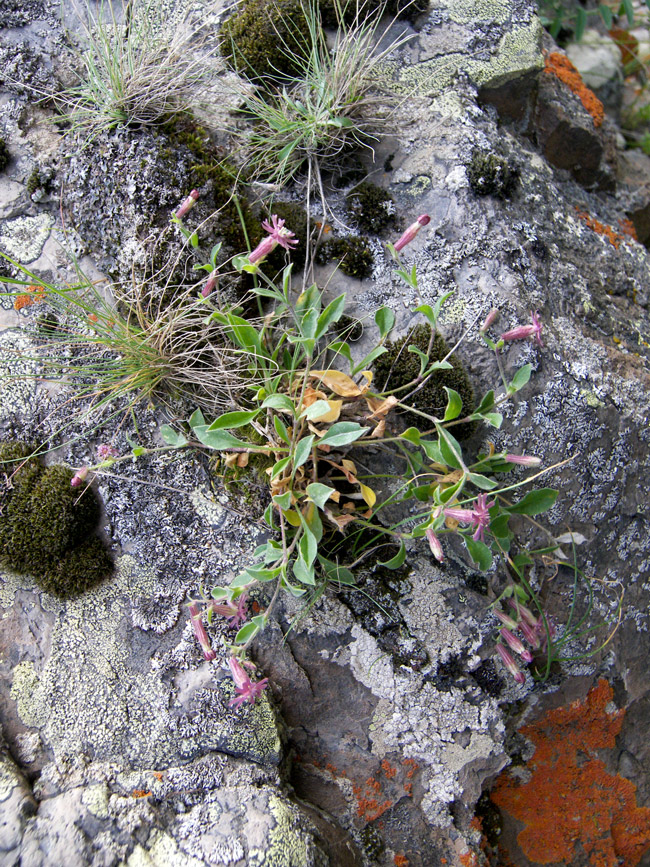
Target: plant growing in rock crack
<point>325,429</point>
<point>121,343</point>
<point>334,103</point>
<point>138,67</point>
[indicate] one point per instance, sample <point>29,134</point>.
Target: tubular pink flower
<point>510,664</point>
<point>245,688</point>
<point>236,614</point>
<point>435,545</point>
<point>505,618</point>
<point>524,613</point>
<point>489,319</point>
<point>278,234</point>
<point>481,516</point>
<point>515,644</point>
<point>412,231</point>
<point>211,282</point>
<point>79,477</point>
<point>199,630</point>
<point>530,635</point>
<point>523,331</point>
<point>187,205</point>
<point>524,460</point>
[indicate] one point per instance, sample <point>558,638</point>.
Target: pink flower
<point>211,282</point>
<point>199,630</point>
<point>236,614</point>
<point>278,234</point>
<point>523,612</point>
<point>505,618</point>
<point>411,232</point>
<point>523,331</point>
<point>516,645</point>
<point>510,664</point>
<point>481,516</point>
<point>530,635</point>
<point>244,687</point>
<point>105,451</point>
<point>79,477</point>
<point>435,545</point>
<point>187,205</point>
<point>524,460</point>
<point>489,319</point>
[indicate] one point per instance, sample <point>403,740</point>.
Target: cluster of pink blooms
<point>530,627</point>
<point>246,689</point>
<point>479,516</point>
<point>278,235</point>
<point>105,451</point>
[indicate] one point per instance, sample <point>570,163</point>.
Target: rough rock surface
<point>121,747</point>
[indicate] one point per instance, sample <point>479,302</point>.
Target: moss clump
<point>348,328</point>
<point>356,257</point>
<point>47,526</point>
<point>265,41</point>
<point>4,155</point>
<point>371,206</point>
<point>39,180</point>
<point>399,367</point>
<point>492,175</point>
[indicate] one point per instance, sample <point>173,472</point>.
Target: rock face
<point>381,726</point>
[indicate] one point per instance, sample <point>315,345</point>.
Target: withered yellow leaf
<point>338,382</point>
<point>368,494</point>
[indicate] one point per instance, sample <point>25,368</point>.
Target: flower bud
<point>187,205</point>
<point>79,477</point>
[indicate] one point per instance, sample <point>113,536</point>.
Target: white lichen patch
<point>23,239</point>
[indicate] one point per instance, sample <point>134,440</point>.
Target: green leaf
<point>432,314</point>
<point>449,448</point>
<point>281,429</point>
<point>342,434</point>
<point>248,631</point>
<point>439,365</point>
<point>303,572</point>
<point>522,560</point>
<point>302,451</point>
<point>220,593</point>
<point>581,23</point>
<point>493,418</point>
<point>244,334</point>
<point>278,467</point>
<point>342,348</point>
<point>196,419</point>
<point>629,11</point>
<point>279,401</point>
<point>535,502</point>
<point>424,358</point>
<point>219,440</point>
<point>454,404</point>
<point>283,500</point>
<point>332,313</point>
<point>316,410</point>
<point>482,482</point>
<point>263,575</point>
<point>172,437</point>
<point>334,572</point>
<point>486,404</point>
<point>398,560</point>
<point>268,516</point>
<point>242,580</point>
<point>233,420</point>
<point>412,434</point>
<point>385,319</point>
<point>432,450</point>
<point>520,378</point>
<point>479,552</point>
<point>319,493</point>
<point>370,357</point>
<point>137,451</point>
<point>308,547</point>
<point>427,311</point>
<point>499,526</point>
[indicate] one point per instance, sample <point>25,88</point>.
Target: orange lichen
<point>388,769</point>
<point>32,295</point>
<point>600,228</point>
<point>559,65</point>
<point>570,799</point>
<point>158,775</point>
<point>401,861</point>
<point>469,859</point>
<point>628,228</point>
<point>408,788</point>
<point>412,766</point>
<point>140,793</point>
